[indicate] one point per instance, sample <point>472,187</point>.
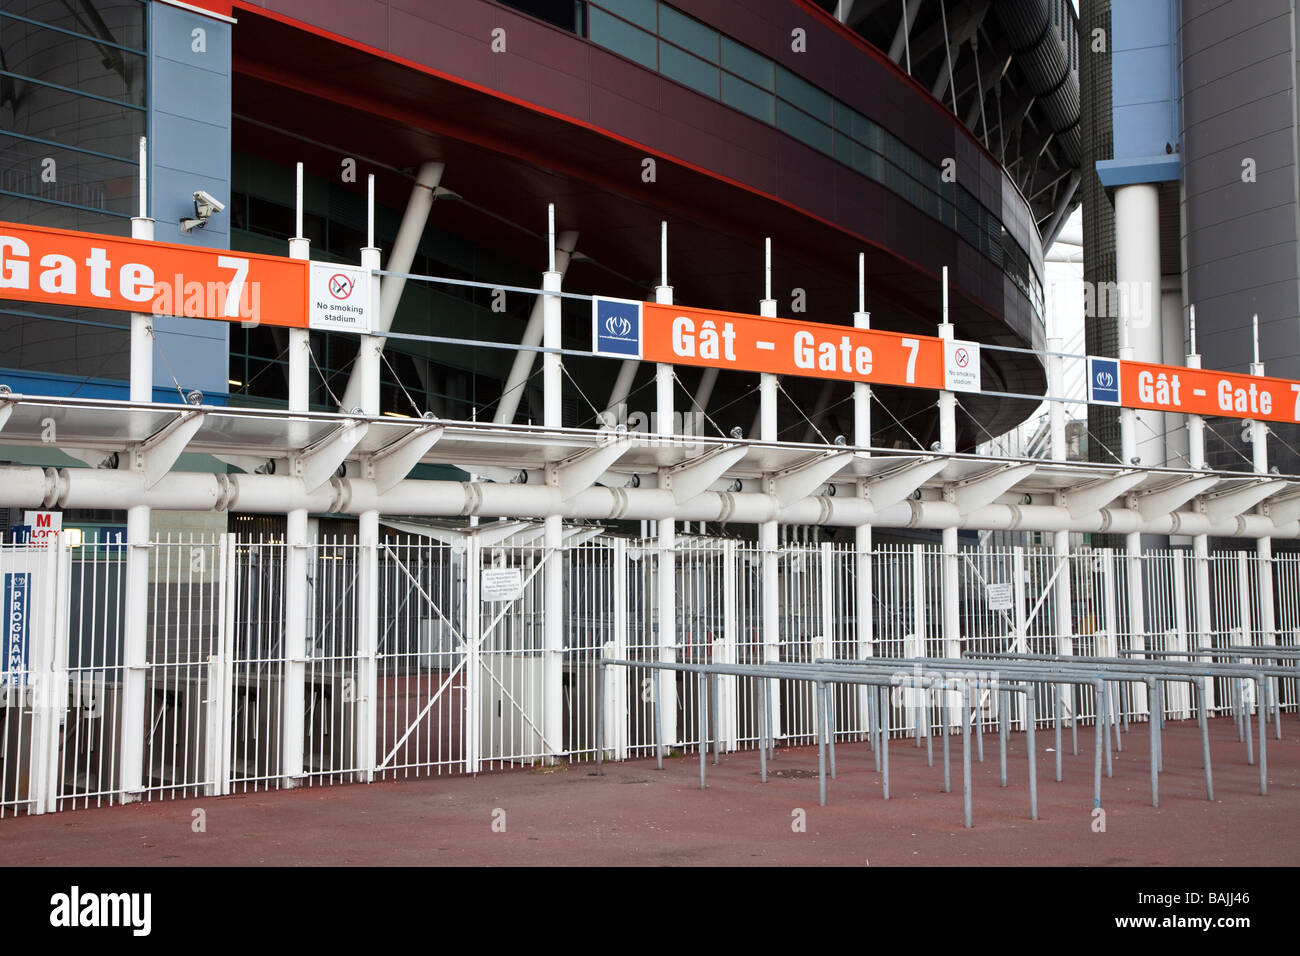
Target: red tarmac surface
<point>637,815</point>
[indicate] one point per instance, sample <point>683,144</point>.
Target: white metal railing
<point>460,679</point>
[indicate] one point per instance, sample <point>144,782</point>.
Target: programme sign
<point>17,593</point>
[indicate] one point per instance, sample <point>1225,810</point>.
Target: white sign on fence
<point>501,584</point>
<point>43,525</point>
<point>998,597</point>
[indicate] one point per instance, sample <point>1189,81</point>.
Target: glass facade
<point>72,111</point>
<point>451,380</point>
<point>662,38</point>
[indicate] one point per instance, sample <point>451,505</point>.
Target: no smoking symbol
<point>340,285</point>
<point>962,358</point>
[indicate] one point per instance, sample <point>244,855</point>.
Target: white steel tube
<point>768,531</point>
<point>1060,539</point>
<point>862,538</point>
<point>135,629</point>
<point>553,574</point>
<point>367,689</point>
<point>667,566</point>
<point>405,246</point>
<point>553,636</point>
<point>1263,545</point>
<point>522,367</point>
<point>951,621</point>
<point>296,597</point>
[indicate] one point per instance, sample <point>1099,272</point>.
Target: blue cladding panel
<point>1144,50</point>
<point>189,149</point>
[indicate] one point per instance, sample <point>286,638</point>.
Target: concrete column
<point>1137,269</point>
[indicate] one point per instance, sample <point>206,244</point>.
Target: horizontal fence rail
<point>457,672</point>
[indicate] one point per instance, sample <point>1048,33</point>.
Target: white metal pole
<point>667,577</point>
<point>948,445</point>
<point>521,368</point>
<point>296,597</point>
<point>553,575</point>
<point>474,666</point>
<point>405,246</point>
<point>1263,546</point>
<point>368,374</point>
<point>1200,542</point>
<point>863,570</point>
<point>729,729</point>
<point>136,620</point>
<point>1060,539</point>
<point>1133,541</point>
<point>366,370</point>
<point>768,531</point>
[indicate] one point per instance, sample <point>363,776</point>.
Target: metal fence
<point>460,678</point>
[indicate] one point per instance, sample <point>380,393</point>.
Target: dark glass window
<point>747,64</point>
<point>803,127</point>
<point>566,14</point>
<point>640,12</point>
<point>688,69</point>
<point>621,37</point>
<point>690,35</point>
<point>745,96</point>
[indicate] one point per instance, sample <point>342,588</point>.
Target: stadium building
<point>661,311</point>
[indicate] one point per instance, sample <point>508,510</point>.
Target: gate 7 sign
<point>616,327</point>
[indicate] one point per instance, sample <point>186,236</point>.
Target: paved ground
<point>637,815</point>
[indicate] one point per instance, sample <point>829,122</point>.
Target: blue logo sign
<point>1103,381</point>
<point>616,327</point>
<point>13,665</point>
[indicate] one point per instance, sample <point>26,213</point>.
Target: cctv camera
<point>206,204</point>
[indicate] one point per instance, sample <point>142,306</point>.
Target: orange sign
<point>1193,391</point>
<point>680,336</point>
<point>61,267</point>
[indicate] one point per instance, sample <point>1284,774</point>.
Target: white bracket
<point>694,476</point>
<point>1284,510</point>
<point>1096,494</point>
<point>6,409</point>
<point>1167,500</point>
<point>968,494</point>
<point>579,472</point>
<point>894,486</point>
<point>316,464</point>
<point>390,464</point>
<point>154,457</point>
<point>1237,501</point>
<point>248,463</point>
<point>490,535</point>
<point>795,484</point>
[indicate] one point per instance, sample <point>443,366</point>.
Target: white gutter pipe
<point>33,487</point>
